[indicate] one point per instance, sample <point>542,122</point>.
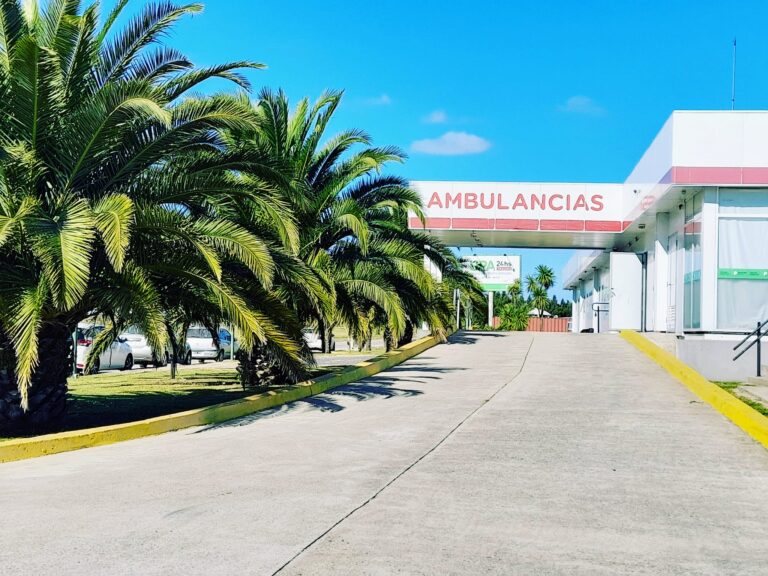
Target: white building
<point>681,247</point>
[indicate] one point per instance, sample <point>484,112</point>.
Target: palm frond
<point>113,218</point>
<point>63,240</point>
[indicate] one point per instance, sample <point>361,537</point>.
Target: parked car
<point>142,351</point>
<point>225,342</point>
<point>200,346</point>
<point>119,355</point>
<point>313,340</point>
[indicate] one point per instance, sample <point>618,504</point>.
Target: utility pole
<point>733,78</point>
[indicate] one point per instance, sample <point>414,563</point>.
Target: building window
<point>742,279</point>
<point>692,278</point>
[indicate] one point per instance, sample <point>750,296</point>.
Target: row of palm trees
<point>126,194</point>
<point>515,308</point>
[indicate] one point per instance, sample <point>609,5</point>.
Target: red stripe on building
<point>603,226</point>
<point>472,224</point>
<point>703,175</point>
<point>516,224</point>
<point>569,225</point>
<point>626,225</point>
<point>431,223</point>
<point>754,175</point>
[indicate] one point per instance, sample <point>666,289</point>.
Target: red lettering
<point>568,202</point>
<point>581,202</point>
<point>552,203</point>
<point>597,203</point>
<point>520,202</point>
<point>501,206</point>
<point>470,200</point>
<point>483,203</point>
<point>540,200</point>
<point>455,200</point>
<point>435,201</point>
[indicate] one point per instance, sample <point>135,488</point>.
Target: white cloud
<point>381,100</point>
<point>436,117</point>
<point>581,105</point>
<point>452,144</point>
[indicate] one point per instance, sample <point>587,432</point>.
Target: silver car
<point>142,351</point>
<point>200,346</point>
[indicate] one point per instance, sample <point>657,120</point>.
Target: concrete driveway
<point>590,460</point>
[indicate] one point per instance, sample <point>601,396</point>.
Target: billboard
<point>495,273</point>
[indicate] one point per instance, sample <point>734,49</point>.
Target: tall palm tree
<point>351,219</point>
<point>538,289</point>
<point>111,179</point>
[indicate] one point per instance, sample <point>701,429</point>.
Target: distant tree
<point>514,309</point>
<point>538,290</point>
<point>545,276</point>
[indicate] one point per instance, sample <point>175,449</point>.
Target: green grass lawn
<point>341,333</point>
<point>105,399</point>
<point>732,387</point>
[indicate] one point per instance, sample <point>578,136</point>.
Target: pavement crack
<point>408,468</point>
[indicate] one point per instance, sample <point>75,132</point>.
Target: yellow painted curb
<point>23,449</point>
<point>744,416</point>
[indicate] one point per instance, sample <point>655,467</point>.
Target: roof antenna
<point>733,80</point>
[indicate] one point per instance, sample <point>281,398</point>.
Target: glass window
<point>742,284</point>
<point>198,333</point>
<point>743,201</point>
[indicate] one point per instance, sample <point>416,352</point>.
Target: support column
<point>709,259</point>
<point>661,272</point>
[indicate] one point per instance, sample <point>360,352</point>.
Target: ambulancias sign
<point>521,206</point>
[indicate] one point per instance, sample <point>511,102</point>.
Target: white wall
<point>723,139</point>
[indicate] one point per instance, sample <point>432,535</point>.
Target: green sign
<point>742,274</point>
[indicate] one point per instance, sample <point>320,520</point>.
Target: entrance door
<point>626,300</point>
<point>672,283</point>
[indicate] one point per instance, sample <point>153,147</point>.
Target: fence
<point>548,324</point>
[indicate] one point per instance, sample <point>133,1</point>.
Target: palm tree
<point>538,290</point>
<point>352,220</point>
<point>111,180</point>
<point>545,276</point>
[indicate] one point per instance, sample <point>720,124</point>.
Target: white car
<point>119,355</point>
<point>142,351</point>
<point>313,340</point>
<point>200,346</point>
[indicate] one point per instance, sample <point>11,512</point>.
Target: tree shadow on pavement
<point>386,385</point>
<point>330,401</point>
<point>472,337</point>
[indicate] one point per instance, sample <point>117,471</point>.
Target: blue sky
<point>528,91</point>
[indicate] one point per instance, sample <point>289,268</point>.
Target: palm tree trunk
<point>174,351</point>
<point>407,337</point>
<point>326,335</point>
<point>48,392</point>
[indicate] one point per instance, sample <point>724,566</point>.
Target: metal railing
<point>758,333</point>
